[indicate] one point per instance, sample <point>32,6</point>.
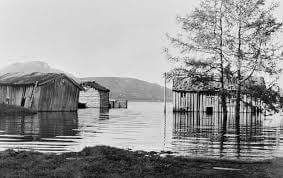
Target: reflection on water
<point>32,132</point>
<point>143,126</point>
<point>42,125</point>
<point>197,134</point>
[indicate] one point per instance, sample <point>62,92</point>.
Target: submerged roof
<point>23,79</point>
<point>95,85</point>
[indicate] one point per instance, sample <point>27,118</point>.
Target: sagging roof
<point>185,84</point>
<point>23,79</point>
<point>95,85</point>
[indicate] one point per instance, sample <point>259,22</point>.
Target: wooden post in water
<point>165,92</point>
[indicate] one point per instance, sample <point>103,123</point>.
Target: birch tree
<point>200,47</point>
<point>233,40</point>
<point>252,44</point>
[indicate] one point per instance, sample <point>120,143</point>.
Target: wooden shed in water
<point>40,91</point>
<point>198,98</point>
<point>94,95</point>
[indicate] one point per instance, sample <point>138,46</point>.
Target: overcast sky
<point>92,37</point>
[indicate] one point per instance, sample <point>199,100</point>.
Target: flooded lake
<point>144,126</point>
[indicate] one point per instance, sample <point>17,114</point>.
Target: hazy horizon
<point>92,38</point>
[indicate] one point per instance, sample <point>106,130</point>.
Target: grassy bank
<point>102,161</point>
<point>14,110</point>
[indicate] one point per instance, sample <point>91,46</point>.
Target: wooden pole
<point>165,92</point>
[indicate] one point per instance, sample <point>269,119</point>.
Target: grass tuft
<point>104,161</point>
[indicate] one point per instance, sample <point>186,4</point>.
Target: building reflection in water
<point>41,125</point>
<point>46,131</point>
<point>95,113</point>
<point>103,113</point>
<point>202,135</point>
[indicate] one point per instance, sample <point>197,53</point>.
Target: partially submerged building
<point>189,97</point>
<point>40,91</point>
<point>94,95</point>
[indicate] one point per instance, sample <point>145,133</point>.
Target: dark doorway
<point>209,110</point>
<point>23,102</point>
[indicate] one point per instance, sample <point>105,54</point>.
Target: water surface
<point>144,126</point>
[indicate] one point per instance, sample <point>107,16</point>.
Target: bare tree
<point>201,45</point>
<point>253,51</point>
<point>226,40</point>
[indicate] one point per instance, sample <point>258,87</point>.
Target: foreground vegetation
<point>14,110</point>
<point>103,161</point>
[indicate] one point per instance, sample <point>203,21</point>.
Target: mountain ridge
<point>127,88</point>
<point>132,89</point>
<point>33,66</point>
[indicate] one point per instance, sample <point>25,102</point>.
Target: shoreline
<point>105,161</point>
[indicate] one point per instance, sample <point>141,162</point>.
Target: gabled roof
<point>95,85</point>
<point>23,79</point>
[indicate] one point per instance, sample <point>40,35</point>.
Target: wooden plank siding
<point>59,95</point>
<point>14,95</point>
<point>104,99</point>
<point>200,101</point>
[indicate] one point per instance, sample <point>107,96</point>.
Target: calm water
<point>143,126</point>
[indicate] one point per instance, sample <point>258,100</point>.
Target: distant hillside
<point>132,89</point>
<point>32,66</point>
<point>121,88</point>
<point>29,67</point>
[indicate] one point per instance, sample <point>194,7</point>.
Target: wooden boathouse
<point>94,95</point>
<point>40,91</point>
<point>198,98</point>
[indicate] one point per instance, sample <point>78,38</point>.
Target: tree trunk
<point>238,104</point>
<point>224,109</point>
<point>238,138</point>
<point>239,77</point>
<point>223,93</point>
<point>224,130</point>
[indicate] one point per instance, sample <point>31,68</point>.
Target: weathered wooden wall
<point>199,102</point>
<point>19,95</point>
<point>60,95</point>
<point>104,99</point>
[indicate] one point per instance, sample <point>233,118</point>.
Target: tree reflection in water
<point>202,135</point>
